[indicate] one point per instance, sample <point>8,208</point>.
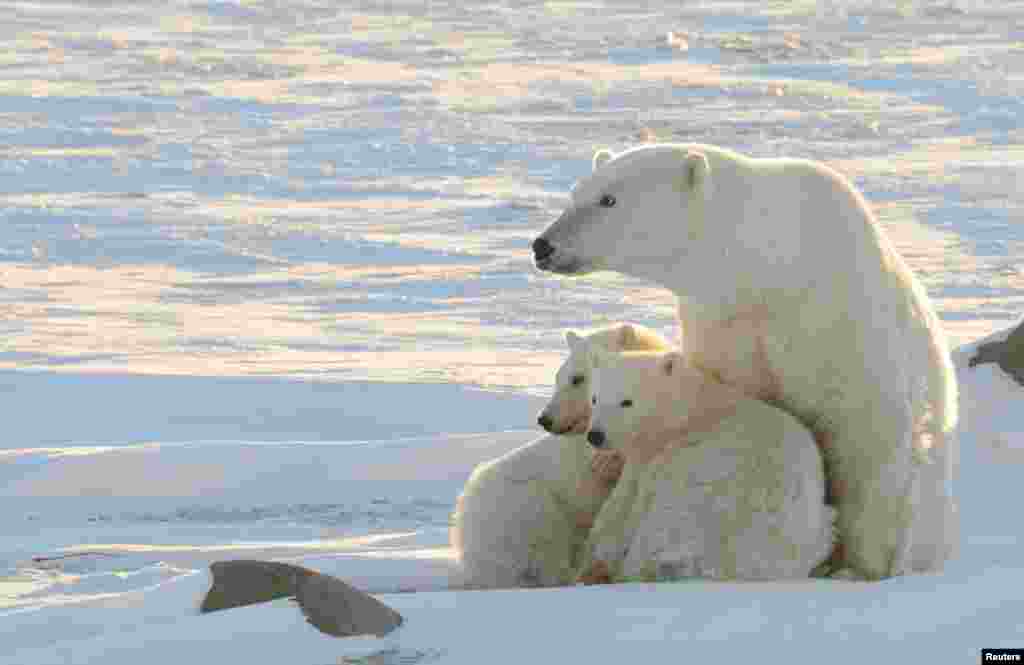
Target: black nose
<point>545,421</point>
<point>596,438</point>
<point>542,249</point>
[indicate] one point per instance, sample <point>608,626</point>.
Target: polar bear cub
<point>716,484</point>
<point>522,518</point>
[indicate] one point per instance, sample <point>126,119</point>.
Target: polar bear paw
<point>597,573</point>
<point>835,567</point>
<point>607,466</point>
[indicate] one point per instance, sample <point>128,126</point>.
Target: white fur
<point>522,518</point>
<point>739,497</point>
<point>783,258</point>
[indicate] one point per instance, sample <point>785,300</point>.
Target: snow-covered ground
<point>129,589</point>
<point>265,291</point>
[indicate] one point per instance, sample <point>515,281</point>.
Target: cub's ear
<point>573,339</point>
<point>672,363</point>
<point>627,336</point>
<point>697,172</point>
<point>598,357</point>
<point>600,157</point>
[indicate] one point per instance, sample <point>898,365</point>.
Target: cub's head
<point>629,211</point>
<point>568,412</point>
<point>640,401</point>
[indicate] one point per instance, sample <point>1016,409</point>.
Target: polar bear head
<point>631,210</point>
<point>568,412</point>
<point>643,401</point>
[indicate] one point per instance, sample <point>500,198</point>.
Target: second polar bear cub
<point>716,484</point>
<point>522,518</point>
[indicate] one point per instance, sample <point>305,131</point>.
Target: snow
<point>945,617</point>
<point>799,622</point>
<point>266,292</point>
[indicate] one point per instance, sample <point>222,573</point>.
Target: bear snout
<point>596,438</point>
<point>542,249</point>
<point>545,421</point>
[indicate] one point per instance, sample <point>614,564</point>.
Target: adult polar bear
<point>788,288</point>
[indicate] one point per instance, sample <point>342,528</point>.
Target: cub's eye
<point>577,380</point>
<point>626,403</point>
<point>607,201</point>
<point>593,400</point>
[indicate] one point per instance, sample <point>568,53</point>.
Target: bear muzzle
<point>596,438</point>
<point>542,249</point>
<point>549,258</point>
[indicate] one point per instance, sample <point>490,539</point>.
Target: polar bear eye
<point>607,201</point>
<point>593,400</point>
<point>577,380</point>
<point>626,403</point>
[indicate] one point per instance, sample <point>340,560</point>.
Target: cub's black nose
<point>542,249</point>
<point>596,438</point>
<point>545,421</point>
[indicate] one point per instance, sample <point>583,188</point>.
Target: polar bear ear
<point>573,339</point>
<point>627,336</point>
<point>697,176</point>
<point>600,157</point>
<point>672,362</point>
<point>598,357</point>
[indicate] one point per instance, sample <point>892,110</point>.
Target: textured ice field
<point>347,191</point>
<point>265,284</point>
